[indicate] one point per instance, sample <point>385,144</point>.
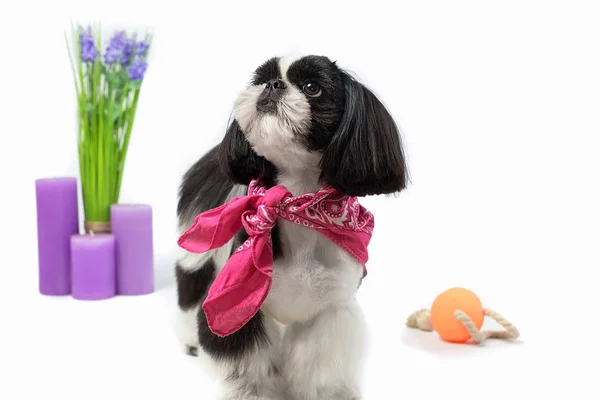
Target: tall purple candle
<point>132,227</point>
<point>57,220</point>
<point>93,270</point>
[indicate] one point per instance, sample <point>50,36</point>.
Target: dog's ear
<point>365,156</point>
<point>237,158</point>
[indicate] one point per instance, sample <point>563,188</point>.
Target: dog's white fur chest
<point>312,274</point>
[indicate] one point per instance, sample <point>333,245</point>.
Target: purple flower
<point>87,45</point>
<point>141,48</point>
<point>114,48</point>
<point>137,69</point>
<point>127,49</point>
<point>119,49</point>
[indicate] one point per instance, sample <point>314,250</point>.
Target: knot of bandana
<point>263,219</point>
<point>242,285</point>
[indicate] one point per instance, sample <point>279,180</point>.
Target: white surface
<point>500,104</point>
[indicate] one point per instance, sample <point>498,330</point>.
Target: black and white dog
<point>302,122</point>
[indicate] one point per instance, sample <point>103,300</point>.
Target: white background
<point>500,107</point>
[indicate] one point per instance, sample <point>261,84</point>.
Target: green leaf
<point>113,79</point>
<point>116,114</point>
<point>134,84</point>
<point>123,75</point>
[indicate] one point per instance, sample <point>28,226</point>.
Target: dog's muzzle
<point>268,99</point>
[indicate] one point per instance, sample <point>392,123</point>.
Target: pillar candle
<point>132,227</point>
<point>93,268</point>
<point>57,220</point>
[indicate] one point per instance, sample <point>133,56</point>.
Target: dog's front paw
<point>257,392</point>
<point>246,396</point>
<point>252,398</point>
<point>325,394</point>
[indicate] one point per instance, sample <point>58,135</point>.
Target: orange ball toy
<point>442,317</point>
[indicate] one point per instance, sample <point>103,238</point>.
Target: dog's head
<point>308,114</point>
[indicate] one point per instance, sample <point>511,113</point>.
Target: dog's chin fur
<point>306,341</point>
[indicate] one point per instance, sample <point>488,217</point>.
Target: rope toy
<point>457,316</point>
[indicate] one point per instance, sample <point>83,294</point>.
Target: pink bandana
<point>241,287</point>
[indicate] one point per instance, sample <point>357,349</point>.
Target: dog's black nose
<point>276,84</point>
<point>270,96</point>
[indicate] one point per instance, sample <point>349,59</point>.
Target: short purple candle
<point>57,220</point>
<point>93,268</point>
<point>132,227</point>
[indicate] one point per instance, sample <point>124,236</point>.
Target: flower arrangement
<point>108,88</point>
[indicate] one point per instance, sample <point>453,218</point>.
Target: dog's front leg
<point>322,356</point>
<point>249,359</point>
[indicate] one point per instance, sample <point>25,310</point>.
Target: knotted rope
<point>421,320</point>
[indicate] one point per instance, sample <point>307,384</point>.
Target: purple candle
<point>57,220</point>
<point>93,269</point>
<point>132,227</point>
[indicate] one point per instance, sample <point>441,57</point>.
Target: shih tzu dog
<point>303,124</point>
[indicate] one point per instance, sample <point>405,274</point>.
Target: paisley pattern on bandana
<point>322,209</point>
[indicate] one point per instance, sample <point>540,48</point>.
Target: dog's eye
<point>311,89</point>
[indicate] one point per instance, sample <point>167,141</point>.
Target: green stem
<point>123,153</point>
<point>83,130</point>
<point>109,136</point>
<point>118,133</point>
